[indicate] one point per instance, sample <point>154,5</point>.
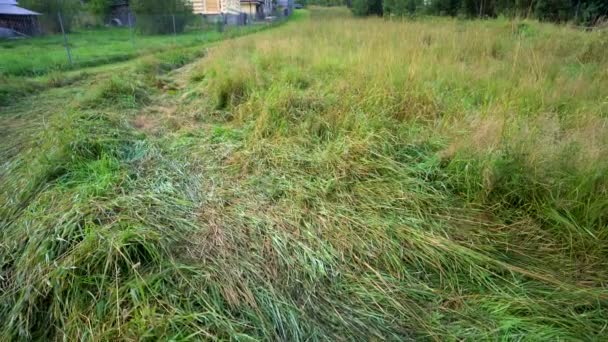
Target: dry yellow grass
<point>528,84</point>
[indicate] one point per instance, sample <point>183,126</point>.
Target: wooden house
<point>216,7</point>
<point>258,9</point>
<point>252,8</point>
<point>17,19</point>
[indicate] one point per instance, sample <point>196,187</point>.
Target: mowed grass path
<point>335,178</point>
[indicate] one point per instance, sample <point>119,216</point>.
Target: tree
<point>586,12</point>
<point>411,6</point>
<point>50,8</point>
<point>591,12</point>
<point>161,16</point>
<point>394,7</point>
<point>100,7</point>
<point>367,7</point>
<point>554,10</point>
<point>479,8</point>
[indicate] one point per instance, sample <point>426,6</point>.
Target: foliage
<point>588,12</point>
<point>401,8</point>
<point>50,9</point>
<point>100,7</point>
<point>366,7</point>
<point>584,11</point>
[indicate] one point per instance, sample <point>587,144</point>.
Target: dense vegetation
<point>50,10</point>
<point>100,7</point>
<point>589,12</point>
<point>429,180</point>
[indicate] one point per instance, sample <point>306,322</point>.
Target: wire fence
<point>67,41</point>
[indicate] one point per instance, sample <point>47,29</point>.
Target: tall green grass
<point>426,180</point>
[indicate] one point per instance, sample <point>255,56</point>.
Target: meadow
<point>333,178</point>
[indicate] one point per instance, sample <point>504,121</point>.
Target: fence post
<point>203,26</point>
<point>65,38</point>
<point>131,29</point>
<point>174,29</point>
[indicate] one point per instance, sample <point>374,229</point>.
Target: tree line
<point>584,12</point>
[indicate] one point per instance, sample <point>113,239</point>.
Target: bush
<point>367,7</point>
<point>100,7</point>
<point>401,7</point>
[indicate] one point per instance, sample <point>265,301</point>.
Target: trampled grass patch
<point>402,180</point>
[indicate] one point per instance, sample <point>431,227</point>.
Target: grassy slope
<point>431,180</point>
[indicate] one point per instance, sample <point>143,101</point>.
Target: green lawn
<point>35,56</point>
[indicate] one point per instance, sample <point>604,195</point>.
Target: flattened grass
<point>427,180</point>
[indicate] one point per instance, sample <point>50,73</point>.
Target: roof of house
<point>9,7</point>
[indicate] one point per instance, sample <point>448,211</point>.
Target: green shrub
<point>367,7</point>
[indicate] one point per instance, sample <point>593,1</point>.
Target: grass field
<point>38,56</point>
<point>330,179</point>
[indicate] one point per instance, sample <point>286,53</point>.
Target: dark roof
<point>15,10</point>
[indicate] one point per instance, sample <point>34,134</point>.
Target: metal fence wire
<point>70,40</point>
